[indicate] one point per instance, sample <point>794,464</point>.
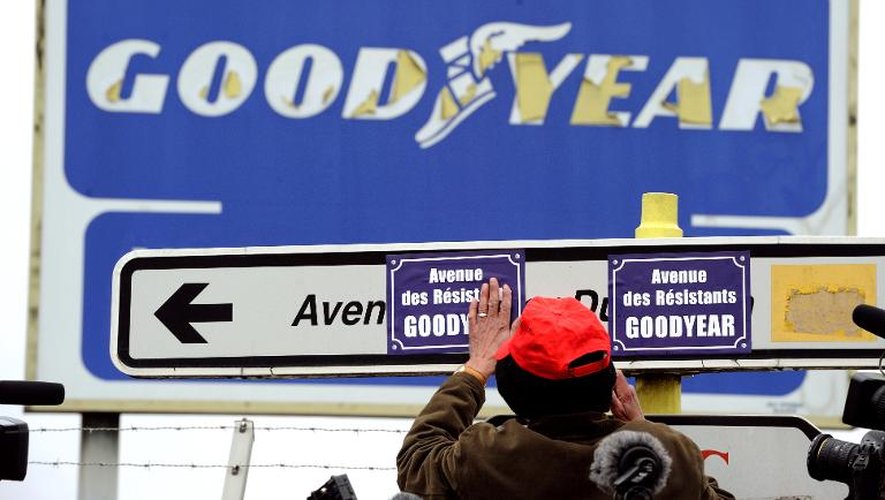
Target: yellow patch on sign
<point>409,76</point>
<point>448,109</point>
<point>533,88</point>
<point>327,94</point>
<point>813,303</point>
<point>112,94</point>
<point>468,96</point>
<point>782,106</point>
<point>232,85</point>
<point>289,102</point>
<point>487,57</point>
<point>591,107</point>
<point>694,105</point>
<point>369,106</point>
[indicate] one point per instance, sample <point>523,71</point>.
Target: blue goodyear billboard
<point>228,124</point>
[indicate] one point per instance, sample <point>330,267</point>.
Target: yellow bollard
<point>659,393</point>
<point>660,216</point>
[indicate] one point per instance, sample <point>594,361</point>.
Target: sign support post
<point>99,445</point>
<point>240,458</point>
<point>659,393</point>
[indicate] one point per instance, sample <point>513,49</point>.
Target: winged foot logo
<point>469,60</point>
<point>305,80</point>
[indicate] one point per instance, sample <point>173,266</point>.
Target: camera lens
<point>877,403</point>
<point>830,458</point>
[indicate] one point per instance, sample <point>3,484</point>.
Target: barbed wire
<point>210,428</point>
<point>149,465</point>
<point>224,427</point>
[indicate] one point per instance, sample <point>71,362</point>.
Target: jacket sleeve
<point>426,463</point>
<point>712,490</point>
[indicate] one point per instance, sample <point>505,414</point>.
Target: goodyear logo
<point>306,80</point>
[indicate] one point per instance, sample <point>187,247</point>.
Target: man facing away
<point>553,368</point>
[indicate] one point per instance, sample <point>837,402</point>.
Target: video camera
<point>14,432</point>
<point>860,466</point>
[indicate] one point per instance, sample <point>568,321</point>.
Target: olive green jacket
<point>446,455</point>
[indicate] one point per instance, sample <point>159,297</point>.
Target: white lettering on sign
<point>686,297</point>
<point>456,296</point>
<point>454,275</point>
<point>316,74</point>
<point>104,80</point>
<point>238,70</point>
<point>750,80</point>
<point>436,325</point>
<point>678,277</point>
<point>632,299</point>
<point>410,298</point>
<point>320,84</point>
<point>372,67</point>
<point>676,326</point>
<point>689,78</point>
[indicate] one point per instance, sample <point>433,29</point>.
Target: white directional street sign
<point>322,310</point>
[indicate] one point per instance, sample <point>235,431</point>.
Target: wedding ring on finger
<point>482,315</point>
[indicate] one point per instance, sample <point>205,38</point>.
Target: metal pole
<point>659,393</point>
<point>238,463</point>
<point>99,482</point>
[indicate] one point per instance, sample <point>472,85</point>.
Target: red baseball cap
<point>558,338</point>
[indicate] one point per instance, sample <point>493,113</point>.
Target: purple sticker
<point>680,304</point>
<point>429,295</point>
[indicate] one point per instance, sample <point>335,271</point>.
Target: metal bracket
<point>238,464</point>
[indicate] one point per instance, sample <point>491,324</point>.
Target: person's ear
<point>514,326</point>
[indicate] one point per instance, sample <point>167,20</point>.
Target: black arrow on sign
<point>177,313</point>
